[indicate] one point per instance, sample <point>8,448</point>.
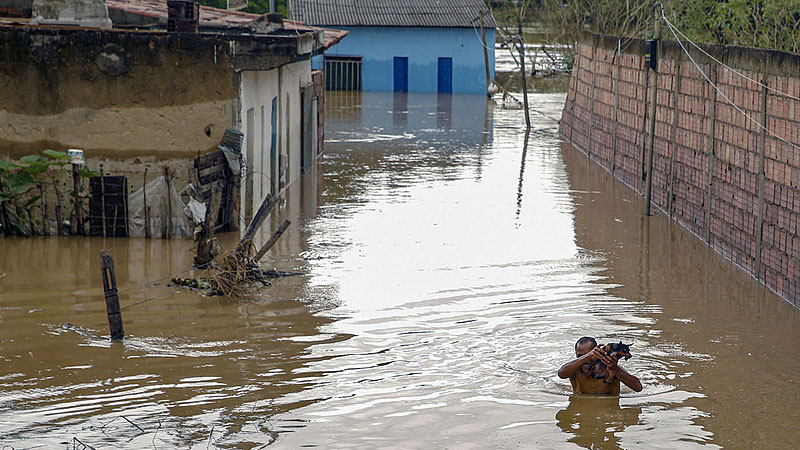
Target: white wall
<point>293,77</point>
<point>257,91</point>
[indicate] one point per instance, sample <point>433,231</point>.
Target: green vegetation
<point>23,185</point>
<point>768,24</point>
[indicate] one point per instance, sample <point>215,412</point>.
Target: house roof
<point>214,17</point>
<point>392,13</point>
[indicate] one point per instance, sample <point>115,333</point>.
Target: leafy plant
<point>18,181</point>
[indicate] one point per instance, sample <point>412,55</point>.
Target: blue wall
<point>423,47</point>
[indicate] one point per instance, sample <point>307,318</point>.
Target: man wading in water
<point>577,370</point>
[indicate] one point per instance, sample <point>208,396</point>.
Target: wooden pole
<point>577,67</point>
<point>522,68</point>
<point>643,133</point>
<point>485,53</point>
<point>712,139</point>
<point>163,212</point>
<point>613,163</point>
<point>762,142</point>
<point>59,231</point>
<point>272,240</point>
<point>651,141</point>
<point>592,71</point>
<point>266,206</point>
<point>103,199</point>
<point>77,225</point>
<point>111,295</point>
<point>205,242</point>
<point>146,210</point>
<point>45,228</point>
<point>168,219</point>
<point>675,93</point>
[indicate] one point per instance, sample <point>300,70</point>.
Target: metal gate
<point>343,73</point>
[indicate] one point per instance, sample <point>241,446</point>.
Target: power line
<point>669,25</point>
<point>726,66</point>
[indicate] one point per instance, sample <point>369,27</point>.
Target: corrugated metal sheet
<point>391,13</point>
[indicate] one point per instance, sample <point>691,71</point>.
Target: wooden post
<point>58,207</point>
<point>711,144</point>
<point>103,199</point>
<point>643,133</point>
<point>651,139</point>
<point>77,225</point>
<point>114,223</point>
<point>146,211</point>
<point>30,219</point>
<point>205,244</point>
<point>111,295</point>
<point>613,164</point>
<point>522,68</point>
<point>266,206</point>
<point>676,91</point>
<point>168,219</point>
<point>485,53</point>
<point>593,72</point>
<point>762,142</point>
<point>45,228</point>
<point>272,240</point>
<point>577,67</point>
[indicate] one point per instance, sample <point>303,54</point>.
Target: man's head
<point>584,346</point>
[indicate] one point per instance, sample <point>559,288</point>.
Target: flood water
<point>449,269</point>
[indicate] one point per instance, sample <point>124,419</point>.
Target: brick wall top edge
<point>771,62</point>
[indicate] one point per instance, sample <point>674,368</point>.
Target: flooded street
<point>449,270</point>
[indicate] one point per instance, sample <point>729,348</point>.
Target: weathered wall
<point>114,93</point>
<point>126,94</point>
<point>271,169</point>
<point>715,170</point>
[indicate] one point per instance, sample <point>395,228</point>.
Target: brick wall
<point>715,171</point>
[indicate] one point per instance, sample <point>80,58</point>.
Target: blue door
<point>400,74</point>
<point>445,84</point>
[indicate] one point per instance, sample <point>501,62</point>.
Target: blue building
<point>413,45</point>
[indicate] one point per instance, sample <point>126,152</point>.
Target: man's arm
<point>629,380</point>
<point>568,369</point>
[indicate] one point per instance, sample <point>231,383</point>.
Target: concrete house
<point>136,94</point>
<point>405,46</point>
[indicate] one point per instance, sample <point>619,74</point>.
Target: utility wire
<point>724,65</point>
<point>669,25</point>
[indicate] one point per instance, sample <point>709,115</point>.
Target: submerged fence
<point>726,153</point>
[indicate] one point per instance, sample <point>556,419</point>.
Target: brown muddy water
<point>449,271</point>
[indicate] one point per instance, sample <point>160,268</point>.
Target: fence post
<point>711,145</point>
<point>168,218</point>
<point>593,72</point>
<point>613,164</point>
<point>111,295</point>
<point>676,91</point>
<point>762,154</point>
<point>77,226</point>
<point>643,133</point>
<point>146,212</point>
<point>577,67</point>
<point>651,141</point>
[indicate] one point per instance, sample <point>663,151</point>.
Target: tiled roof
<point>209,16</point>
<point>391,13</point>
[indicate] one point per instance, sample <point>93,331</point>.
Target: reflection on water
<point>596,422</point>
<point>450,267</point>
